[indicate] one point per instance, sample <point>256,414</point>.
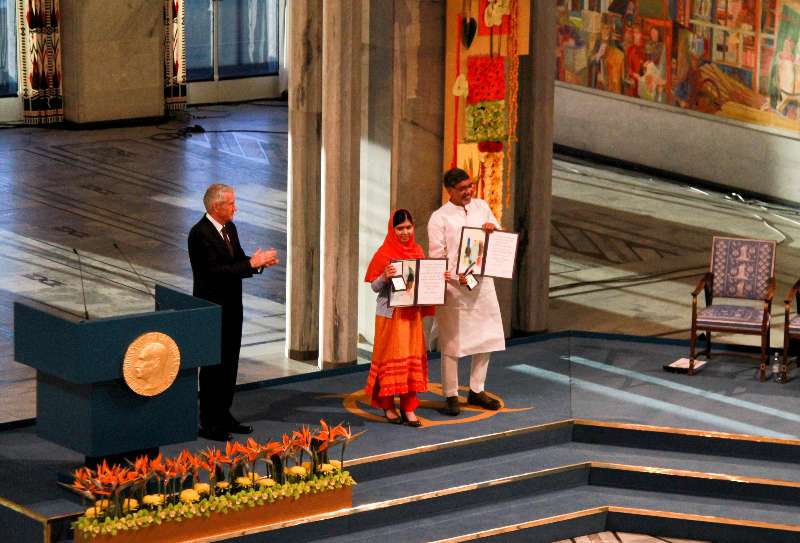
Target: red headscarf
<point>392,249</point>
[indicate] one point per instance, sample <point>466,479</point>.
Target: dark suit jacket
<point>218,275</point>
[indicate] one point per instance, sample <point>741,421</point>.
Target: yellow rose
<point>265,482</point>
<point>336,464</point>
<point>153,499</point>
<point>189,495</point>
<point>130,504</point>
<point>90,513</point>
<point>244,482</point>
<point>202,488</point>
<point>102,504</point>
<point>298,471</point>
<point>326,468</point>
<point>222,485</point>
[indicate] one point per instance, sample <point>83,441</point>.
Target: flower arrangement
<point>150,492</point>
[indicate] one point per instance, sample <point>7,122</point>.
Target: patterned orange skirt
<point>399,358</point>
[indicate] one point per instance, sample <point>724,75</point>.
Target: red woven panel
<point>486,77</point>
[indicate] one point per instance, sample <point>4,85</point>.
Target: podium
<point>82,400</point>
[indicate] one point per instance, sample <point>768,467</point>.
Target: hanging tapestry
<point>40,61</point>
<point>174,55</point>
<point>486,121</point>
<point>486,79</point>
<point>494,17</point>
<point>484,41</point>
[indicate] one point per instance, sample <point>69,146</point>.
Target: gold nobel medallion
<point>151,363</point>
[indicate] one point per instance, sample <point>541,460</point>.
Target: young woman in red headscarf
<point>399,357</point>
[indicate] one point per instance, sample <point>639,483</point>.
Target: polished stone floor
<point>627,249</point>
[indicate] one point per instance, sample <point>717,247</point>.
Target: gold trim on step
<point>460,442</point>
<point>686,431</point>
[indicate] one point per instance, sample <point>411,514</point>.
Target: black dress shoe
<point>452,406</point>
<point>214,433</point>
<point>237,428</point>
<point>481,399</point>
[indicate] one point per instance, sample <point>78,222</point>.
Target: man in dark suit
<point>218,266</point>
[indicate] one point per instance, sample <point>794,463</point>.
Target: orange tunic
<point>399,357</point>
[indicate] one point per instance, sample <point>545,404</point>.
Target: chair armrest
<point>770,290</point>
<point>707,278</point>
<point>791,294</point>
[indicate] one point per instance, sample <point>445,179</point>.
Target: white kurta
<point>470,321</point>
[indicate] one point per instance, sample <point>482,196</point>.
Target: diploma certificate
<point>424,280</point>
<point>491,255</point>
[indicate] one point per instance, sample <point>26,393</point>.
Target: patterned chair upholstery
<point>740,269</point>
<point>791,327</point>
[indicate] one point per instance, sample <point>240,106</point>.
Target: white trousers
<point>477,373</point>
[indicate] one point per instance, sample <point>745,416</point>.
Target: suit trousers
<point>218,383</point>
<point>477,374</point>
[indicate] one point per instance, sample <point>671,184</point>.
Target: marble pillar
<point>418,109</point>
<point>305,147</point>
<point>341,140</point>
<point>533,190</point>
<point>113,60</point>
<point>376,149</point>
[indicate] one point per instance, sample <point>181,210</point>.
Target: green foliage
<point>486,121</point>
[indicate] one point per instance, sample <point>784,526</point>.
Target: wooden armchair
<point>741,269</point>
<point>791,328</point>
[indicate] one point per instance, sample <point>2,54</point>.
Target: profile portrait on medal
<point>151,364</point>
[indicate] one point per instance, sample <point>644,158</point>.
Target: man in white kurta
<point>470,322</point>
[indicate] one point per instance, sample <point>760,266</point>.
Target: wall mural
<point>735,58</point>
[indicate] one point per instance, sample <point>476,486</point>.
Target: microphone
<point>83,289</point>
<point>130,264</point>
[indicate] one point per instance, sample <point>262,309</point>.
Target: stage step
<point>537,479</point>
<point>562,503</point>
<point>548,446</point>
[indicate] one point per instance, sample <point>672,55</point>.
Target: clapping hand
<point>264,259</point>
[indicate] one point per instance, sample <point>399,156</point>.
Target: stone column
<point>418,109</point>
<point>305,148</point>
<point>341,139</point>
<point>535,170</point>
<point>113,60</point>
<point>376,148</point>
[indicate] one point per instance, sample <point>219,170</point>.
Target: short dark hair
<point>400,216</point>
<point>454,176</point>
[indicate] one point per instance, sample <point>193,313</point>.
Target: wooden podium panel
<point>83,402</point>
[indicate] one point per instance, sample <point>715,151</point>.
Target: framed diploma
<point>491,255</point>
<point>424,282</point>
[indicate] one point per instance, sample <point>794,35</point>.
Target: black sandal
<point>413,423</point>
<point>396,420</point>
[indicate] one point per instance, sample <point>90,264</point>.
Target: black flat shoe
<point>214,433</point>
<point>396,420</point>
<point>452,406</point>
<point>408,422</point>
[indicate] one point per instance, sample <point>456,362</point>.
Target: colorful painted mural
<point>735,58</point>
